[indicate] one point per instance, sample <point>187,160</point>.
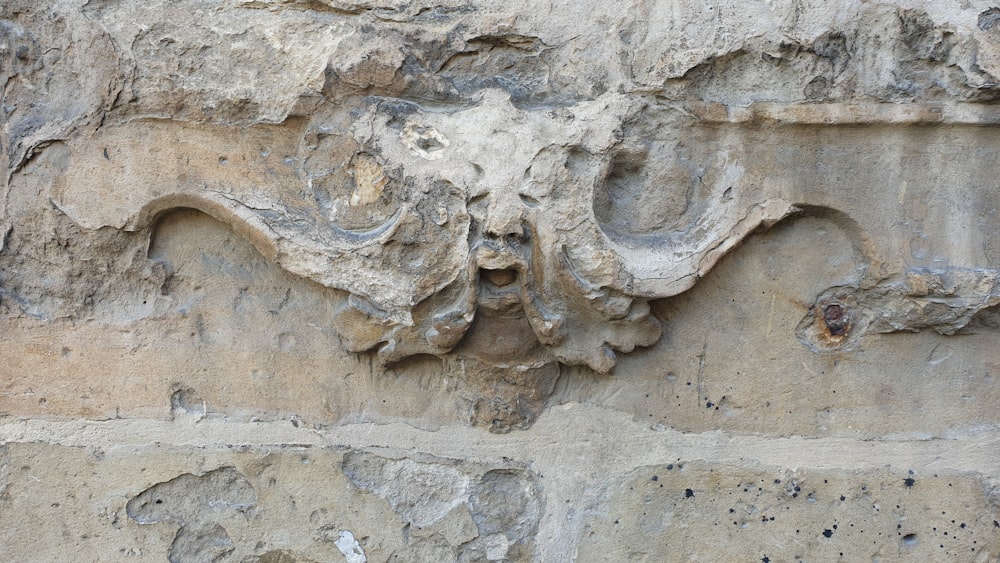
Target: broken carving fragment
<point>946,301</point>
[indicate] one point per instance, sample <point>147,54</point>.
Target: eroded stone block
<point>696,510</point>
<point>286,504</point>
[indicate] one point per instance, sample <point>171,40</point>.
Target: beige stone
<point>291,280</point>
<point>698,511</point>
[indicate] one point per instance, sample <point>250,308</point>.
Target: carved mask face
<point>470,231</point>
<point>524,182</point>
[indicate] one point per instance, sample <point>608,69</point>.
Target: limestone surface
<point>456,280</point>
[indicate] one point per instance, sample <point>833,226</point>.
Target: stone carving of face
<point>488,231</point>
<point>509,192</point>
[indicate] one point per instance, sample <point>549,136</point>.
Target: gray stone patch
<point>454,512</point>
<point>195,502</point>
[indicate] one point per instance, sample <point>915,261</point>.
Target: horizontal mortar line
<point>854,113</point>
<point>599,442</point>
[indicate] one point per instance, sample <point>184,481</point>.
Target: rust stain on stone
<point>836,319</point>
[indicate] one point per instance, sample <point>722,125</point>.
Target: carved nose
<point>505,220</point>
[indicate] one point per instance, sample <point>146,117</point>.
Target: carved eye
<point>532,193</point>
<point>360,196</point>
<point>442,203</point>
<point>641,195</point>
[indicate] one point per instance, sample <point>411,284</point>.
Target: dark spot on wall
<point>836,318</point>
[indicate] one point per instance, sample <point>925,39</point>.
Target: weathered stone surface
<point>323,280</point>
<point>280,491</point>
<point>683,511</point>
<point>734,369</point>
<point>248,505</point>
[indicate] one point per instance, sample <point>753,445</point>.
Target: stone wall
<point>324,280</point>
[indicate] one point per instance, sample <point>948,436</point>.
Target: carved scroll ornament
<point>482,230</point>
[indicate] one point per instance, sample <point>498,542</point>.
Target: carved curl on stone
<point>488,231</point>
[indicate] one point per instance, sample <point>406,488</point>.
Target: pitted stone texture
<point>44,95</point>
<point>195,502</point>
<point>214,506</point>
<point>422,493</point>
<point>696,510</point>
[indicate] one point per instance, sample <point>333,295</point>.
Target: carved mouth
<point>499,289</point>
<point>498,278</point>
<point>499,316</point>
<point>501,333</point>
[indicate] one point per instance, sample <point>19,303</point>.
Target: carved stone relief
<point>515,228</point>
<point>509,235</point>
<point>724,272</point>
<point>485,230</point>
